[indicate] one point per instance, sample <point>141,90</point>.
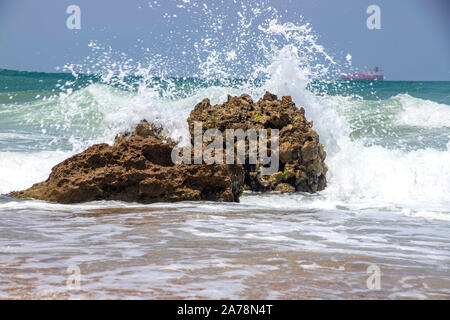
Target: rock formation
<point>137,168</point>
<point>301,156</point>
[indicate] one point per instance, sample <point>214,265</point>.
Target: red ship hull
<point>361,76</point>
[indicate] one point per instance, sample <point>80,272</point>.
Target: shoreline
<point>209,250</point>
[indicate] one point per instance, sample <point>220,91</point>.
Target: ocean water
<point>386,207</point>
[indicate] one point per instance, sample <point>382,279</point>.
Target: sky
<point>412,44</point>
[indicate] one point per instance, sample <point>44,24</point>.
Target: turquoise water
<point>31,104</point>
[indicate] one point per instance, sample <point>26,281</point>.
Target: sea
<point>380,230</point>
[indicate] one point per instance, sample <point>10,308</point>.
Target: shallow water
<point>221,251</point>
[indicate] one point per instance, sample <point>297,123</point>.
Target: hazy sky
<point>412,44</point>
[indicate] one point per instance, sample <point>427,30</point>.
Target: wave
<point>422,113</point>
<point>20,170</point>
<point>358,172</point>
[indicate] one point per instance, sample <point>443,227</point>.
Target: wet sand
<point>217,251</point>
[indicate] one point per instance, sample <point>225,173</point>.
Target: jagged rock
<point>137,168</point>
<point>301,155</point>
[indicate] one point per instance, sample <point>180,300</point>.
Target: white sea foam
<point>422,113</point>
<point>20,170</point>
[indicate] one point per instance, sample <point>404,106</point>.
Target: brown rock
<point>301,154</point>
<point>285,188</point>
<point>137,168</point>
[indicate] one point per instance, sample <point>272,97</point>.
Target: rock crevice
<point>301,155</point>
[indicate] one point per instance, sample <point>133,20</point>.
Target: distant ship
<point>374,74</point>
